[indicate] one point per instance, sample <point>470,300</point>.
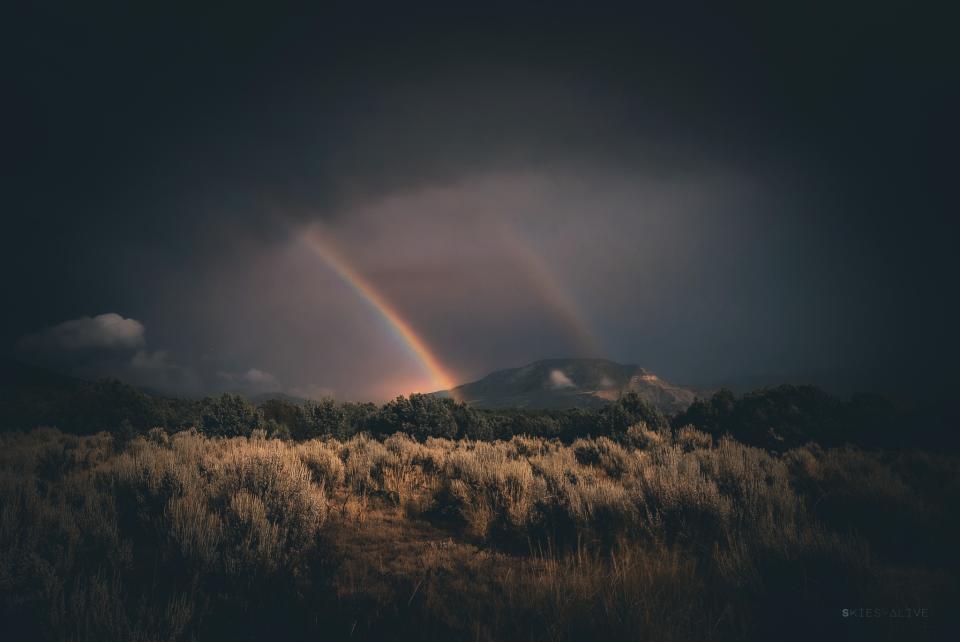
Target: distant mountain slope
<point>264,397</point>
<point>570,383</point>
<point>32,396</point>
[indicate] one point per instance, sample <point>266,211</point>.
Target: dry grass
<point>656,536</point>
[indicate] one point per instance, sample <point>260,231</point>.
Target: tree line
<point>776,418</point>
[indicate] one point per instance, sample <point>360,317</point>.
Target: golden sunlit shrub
<point>281,483</point>
<point>255,541</point>
<point>757,482</point>
<point>324,463</point>
<point>365,459</point>
<point>525,446</point>
<point>475,508</point>
<point>605,454</point>
<point>600,505</point>
<point>487,487</point>
<point>145,478</point>
<point>196,530</point>
<point>676,491</point>
<point>158,436</point>
<point>405,447</point>
<point>557,468</point>
<point>641,436</point>
<point>689,438</point>
<point>401,476</point>
<point>653,535</point>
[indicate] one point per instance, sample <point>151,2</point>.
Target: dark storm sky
<point>712,194</point>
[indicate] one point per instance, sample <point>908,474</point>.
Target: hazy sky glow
<point>710,196</point>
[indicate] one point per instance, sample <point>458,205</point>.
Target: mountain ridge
<point>570,383</point>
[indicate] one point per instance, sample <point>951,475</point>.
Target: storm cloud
<point>711,194</point>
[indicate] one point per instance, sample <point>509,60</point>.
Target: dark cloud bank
<point>712,194</point>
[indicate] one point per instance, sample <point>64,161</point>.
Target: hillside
<point>570,383</point>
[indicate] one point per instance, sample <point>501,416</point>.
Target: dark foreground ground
<point>665,535</point>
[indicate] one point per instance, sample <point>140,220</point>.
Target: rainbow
<point>439,377</point>
<point>556,298</point>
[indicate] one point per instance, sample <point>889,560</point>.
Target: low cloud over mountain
<point>571,383</point>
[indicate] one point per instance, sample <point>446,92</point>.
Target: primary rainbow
<point>414,342</point>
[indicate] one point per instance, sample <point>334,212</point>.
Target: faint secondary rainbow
<point>439,377</point>
<point>551,293</point>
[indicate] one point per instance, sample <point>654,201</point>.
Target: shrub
<point>158,436</point>
<point>641,437</point>
<point>689,438</point>
<point>489,489</point>
<point>365,460</point>
<point>604,454</point>
<point>185,536</point>
<point>324,463</point>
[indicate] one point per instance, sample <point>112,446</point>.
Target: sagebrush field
<point>657,535</point>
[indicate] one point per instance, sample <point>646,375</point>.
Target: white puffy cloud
<point>558,380</point>
<point>108,331</point>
